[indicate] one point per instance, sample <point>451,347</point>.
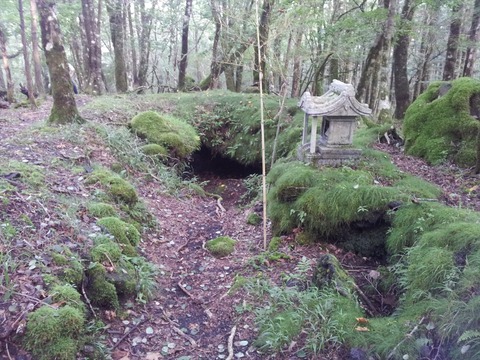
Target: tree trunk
<point>215,64</point>
<point>473,39</point>
<point>6,64</point>
<point>452,43</point>
<point>37,66</point>
<point>182,70</point>
<point>133,48</point>
<point>93,47</point>
<point>26,58</point>
<point>400,59</point>
<point>261,48</point>
<point>146,18</point>
<point>384,107</point>
<point>297,66</point>
<point>64,108</point>
<point>115,13</point>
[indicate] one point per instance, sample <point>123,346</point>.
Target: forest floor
<point>193,315</point>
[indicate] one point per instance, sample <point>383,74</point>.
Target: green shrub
<point>221,246</point>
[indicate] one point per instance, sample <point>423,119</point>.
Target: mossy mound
<point>123,232</point>
<point>100,291</point>
<point>99,209</point>
<point>117,188</point>
<point>55,333</point>
<point>221,246</point>
<point>69,266</point>
<point>154,150</point>
<point>175,135</point>
<point>442,123</point>
<point>254,219</point>
<point>229,124</point>
<point>329,273</point>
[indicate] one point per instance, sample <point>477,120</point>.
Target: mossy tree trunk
<point>262,47</point>
<point>64,108</point>
<point>473,38</point>
<point>37,65</point>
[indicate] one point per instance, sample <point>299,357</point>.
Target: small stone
<point>241,343</point>
<point>125,322</point>
<point>239,355</point>
<point>149,330</point>
<point>171,345</point>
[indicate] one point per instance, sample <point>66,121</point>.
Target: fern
<point>468,335</point>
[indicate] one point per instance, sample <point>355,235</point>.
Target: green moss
<point>100,291</point>
<point>411,221</point>
<point>109,251</point>
<point>329,273</point>
<point>254,219</point>
<point>442,127</point>
<point>178,137</point>
<point>31,175</point>
<point>59,259</point>
<point>154,150</point>
<point>119,189</point>
<point>221,246</point>
<point>274,243</point>
<point>54,333</point>
<point>68,295</point>
<point>100,210</point>
<point>124,233</point>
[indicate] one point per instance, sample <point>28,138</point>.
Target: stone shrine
<point>339,111</point>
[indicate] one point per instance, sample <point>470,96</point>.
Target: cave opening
<point>206,164</point>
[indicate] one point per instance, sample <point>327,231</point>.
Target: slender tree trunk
<point>64,108</point>
<point>93,47</point>
<point>473,39</point>
<point>133,47</point>
<point>297,66</point>
<point>37,66</point>
<point>264,28</point>
<point>6,65</point>
<point>184,54</point>
<point>400,59</point>
<point>115,13</point>
<point>26,57</point>
<point>452,43</point>
<point>146,18</point>
<point>215,64</point>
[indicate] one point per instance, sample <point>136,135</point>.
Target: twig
<point>179,284</point>
<point>409,335</point>
<point>230,343</point>
<point>87,300</point>
<point>181,247</point>
<point>44,209</point>
<point>37,300</point>
<point>367,301</point>
<point>128,333</point>
<point>8,351</point>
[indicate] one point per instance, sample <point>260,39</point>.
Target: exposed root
<point>230,343</point>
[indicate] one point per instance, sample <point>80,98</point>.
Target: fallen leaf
<point>362,320</point>
<point>153,356</point>
<point>361,329</point>
<point>119,354</point>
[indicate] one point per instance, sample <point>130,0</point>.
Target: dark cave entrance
<point>206,165</point>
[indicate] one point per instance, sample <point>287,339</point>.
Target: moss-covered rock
<point>68,295</point>
<point>118,189</point>
<point>254,219</point>
<point>55,333</point>
<point>154,150</point>
<point>178,137</point>
<point>329,273</point>
<point>123,232</point>
<point>99,290</point>
<point>442,123</point>
<point>108,251</point>
<point>221,246</point>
